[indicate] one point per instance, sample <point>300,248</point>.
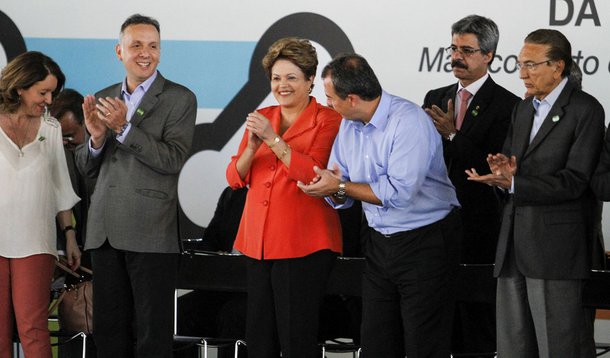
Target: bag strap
<point>57,301</point>
<point>63,264</point>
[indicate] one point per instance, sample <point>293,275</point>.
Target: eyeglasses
<point>529,66</point>
<point>466,51</point>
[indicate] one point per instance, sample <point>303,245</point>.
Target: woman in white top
<point>35,188</point>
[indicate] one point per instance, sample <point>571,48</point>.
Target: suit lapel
<point>522,127</point>
<point>149,100</point>
<point>478,105</point>
<point>449,95</point>
<point>552,119</point>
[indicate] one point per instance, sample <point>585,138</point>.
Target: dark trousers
<point>283,305</point>
<point>407,291</point>
<point>133,296</point>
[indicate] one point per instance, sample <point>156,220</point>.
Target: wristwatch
<point>340,194</point>
<point>276,140</point>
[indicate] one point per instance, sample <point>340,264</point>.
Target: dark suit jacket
<point>545,219</point>
<point>601,179</point>
<point>134,204</point>
<point>83,186</point>
<point>483,131</point>
<point>600,183</point>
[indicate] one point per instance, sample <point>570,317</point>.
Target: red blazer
<point>279,220</point>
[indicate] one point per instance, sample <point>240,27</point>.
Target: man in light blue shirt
<point>389,156</point>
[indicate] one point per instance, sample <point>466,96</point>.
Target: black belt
<point>453,211</point>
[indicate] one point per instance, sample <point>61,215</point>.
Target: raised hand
<point>500,164</point>
<point>258,124</point>
<point>443,121</point>
<point>95,126</point>
<point>113,112</point>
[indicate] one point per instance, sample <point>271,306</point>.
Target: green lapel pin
<point>140,112</point>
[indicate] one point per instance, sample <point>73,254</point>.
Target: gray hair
<point>483,28</point>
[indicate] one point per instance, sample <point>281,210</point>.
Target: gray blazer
<point>134,204</point>
<point>546,218</point>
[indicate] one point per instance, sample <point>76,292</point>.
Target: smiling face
<point>140,51</point>
<point>289,85</point>
<point>37,97</point>
<point>540,80</point>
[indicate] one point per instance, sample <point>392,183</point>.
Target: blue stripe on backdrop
<point>214,70</point>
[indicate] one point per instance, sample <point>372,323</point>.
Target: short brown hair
<point>296,50</point>
<point>23,72</point>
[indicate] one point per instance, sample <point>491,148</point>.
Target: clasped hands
<point>502,169</point>
<point>107,113</point>
<point>259,129</point>
<point>325,183</point>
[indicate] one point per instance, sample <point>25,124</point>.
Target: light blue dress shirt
<point>542,109</point>
<point>399,154</point>
<point>132,100</point>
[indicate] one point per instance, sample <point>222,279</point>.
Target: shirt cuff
<point>348,203</point>
<point>123,135</point>
<point>512,185</point>
<point>95,152</point>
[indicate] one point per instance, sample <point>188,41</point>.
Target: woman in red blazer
<point>292,239</point>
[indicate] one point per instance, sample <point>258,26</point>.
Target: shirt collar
<point>475,86</point>
<point>551,98</point>
<point>144,85</point>
<point>380,117</point>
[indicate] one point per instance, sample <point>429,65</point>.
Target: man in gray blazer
<point>140,133</point>
<point>548,158</point>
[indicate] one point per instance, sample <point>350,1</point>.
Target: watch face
<point>341,192</point>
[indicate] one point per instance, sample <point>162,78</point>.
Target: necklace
<point>21,142</point>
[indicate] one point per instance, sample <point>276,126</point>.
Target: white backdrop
<point>392,34</point>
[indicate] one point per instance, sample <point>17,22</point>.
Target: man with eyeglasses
<point>543,252</point>
<point>473,116</point>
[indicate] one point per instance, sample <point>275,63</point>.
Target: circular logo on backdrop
<point>10,38</point>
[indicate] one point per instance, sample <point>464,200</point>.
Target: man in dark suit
<point>140,132</point>
<point>67,108</point>
<point>466,142</point>
<point>548,158</point>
